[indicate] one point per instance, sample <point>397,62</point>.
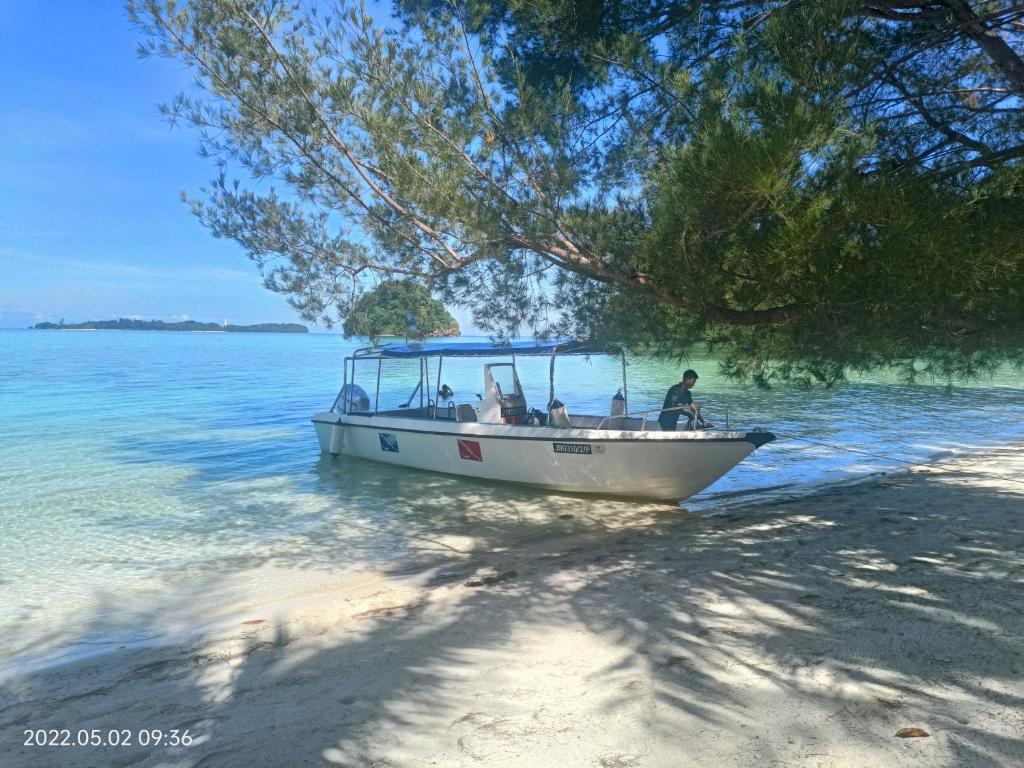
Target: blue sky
<point>91,224</point>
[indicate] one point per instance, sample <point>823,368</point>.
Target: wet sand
<point>804,632</point>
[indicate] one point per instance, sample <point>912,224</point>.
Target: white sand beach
<point>805,632</point>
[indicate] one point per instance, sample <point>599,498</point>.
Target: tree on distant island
<point>399,308</point>
<point>808,188</point>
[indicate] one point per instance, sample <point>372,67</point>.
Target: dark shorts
<point>670,421</point>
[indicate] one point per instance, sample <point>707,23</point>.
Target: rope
<point>912,464</point>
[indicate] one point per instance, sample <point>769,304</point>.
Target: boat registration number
<point>576,448</point>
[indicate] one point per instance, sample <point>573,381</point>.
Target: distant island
<point>125,324</point>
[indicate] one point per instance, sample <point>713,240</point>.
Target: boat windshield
<point>505,379</point>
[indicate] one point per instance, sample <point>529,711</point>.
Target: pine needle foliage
<point>809,188</point>
<point>399,308</point>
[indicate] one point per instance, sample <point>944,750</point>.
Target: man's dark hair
<point>690,374</point>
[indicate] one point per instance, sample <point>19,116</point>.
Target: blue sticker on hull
<point>388,442</point>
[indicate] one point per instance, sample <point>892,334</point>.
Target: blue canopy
<point>485,349</point>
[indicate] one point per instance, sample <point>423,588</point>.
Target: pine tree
<point>807,187</point>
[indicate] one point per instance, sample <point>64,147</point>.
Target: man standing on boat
<point>678,400</point>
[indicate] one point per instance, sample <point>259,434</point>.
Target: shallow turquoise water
<point>141,470</point>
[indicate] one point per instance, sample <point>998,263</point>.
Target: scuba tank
<point>558,416</point>
<point>618,405</point>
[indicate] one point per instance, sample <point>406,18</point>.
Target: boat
<point>496,437</point>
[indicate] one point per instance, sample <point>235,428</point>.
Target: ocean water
<point>151,479</point>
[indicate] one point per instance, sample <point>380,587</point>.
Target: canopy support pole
<point>346,403</point>
<point>551,381</point>
<point>437,390</point>
<point>625,391</point>
<point>344,383</point>
<point>376,401</point>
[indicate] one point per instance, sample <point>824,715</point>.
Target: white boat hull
<point>632,463</point>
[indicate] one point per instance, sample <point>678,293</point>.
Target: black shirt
<point>677,396</point>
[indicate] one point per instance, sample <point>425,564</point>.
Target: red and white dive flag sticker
<point>470,449</point>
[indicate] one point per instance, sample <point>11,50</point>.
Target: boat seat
<point>465,412</point>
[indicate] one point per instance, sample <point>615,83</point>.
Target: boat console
<point>503,401</point>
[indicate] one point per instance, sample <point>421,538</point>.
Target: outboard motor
<point>618,405</point>
<point>354,399</point>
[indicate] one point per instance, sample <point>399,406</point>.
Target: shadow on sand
<point>629,635</point>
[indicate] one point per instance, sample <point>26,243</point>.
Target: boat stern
<point>329,431</point>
